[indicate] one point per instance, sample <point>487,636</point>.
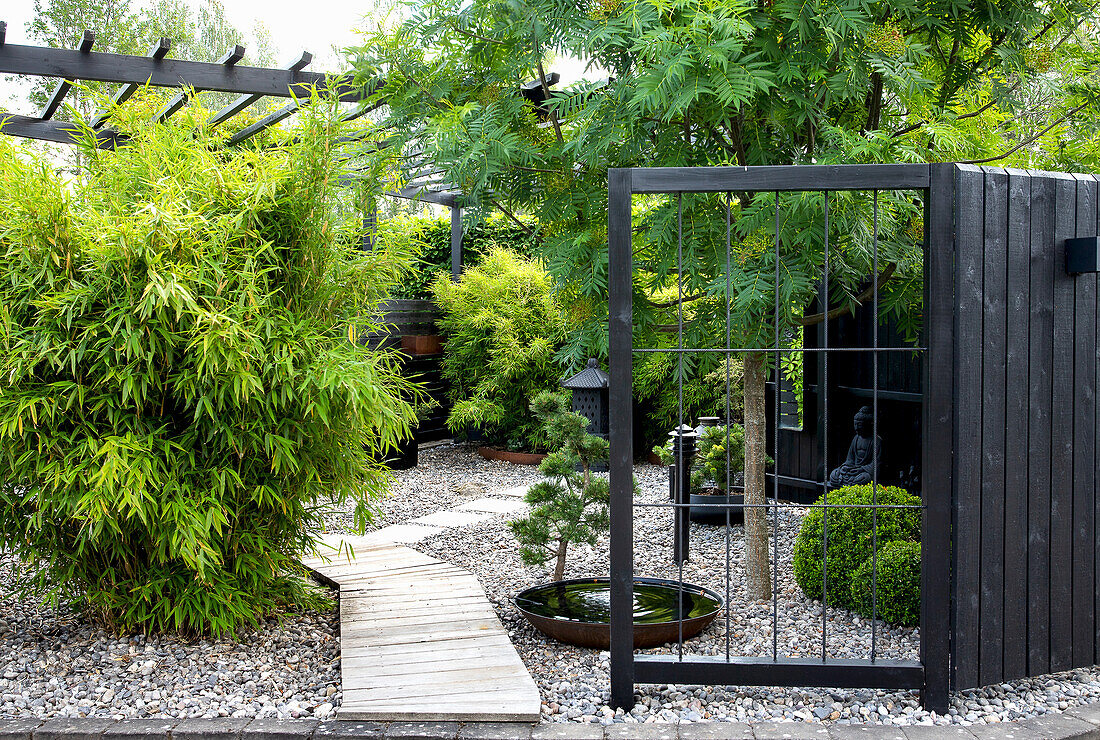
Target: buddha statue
<point>860,465</point>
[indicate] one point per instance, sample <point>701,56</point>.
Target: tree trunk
<point>757,567</point>
<point>559,565</point>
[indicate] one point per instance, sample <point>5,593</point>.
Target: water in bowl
<point>590,601</point>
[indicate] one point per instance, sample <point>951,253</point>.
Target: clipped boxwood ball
<point>898,591</point>
<point>850,537</point>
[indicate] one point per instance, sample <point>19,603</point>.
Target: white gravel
<point>54,664</point>
<point>574,681</point>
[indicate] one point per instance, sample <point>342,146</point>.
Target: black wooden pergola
<point>227,75</point>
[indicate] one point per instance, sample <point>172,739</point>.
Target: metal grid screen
<point>774,666</point>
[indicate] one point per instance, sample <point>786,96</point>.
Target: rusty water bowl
<point>578,611</point>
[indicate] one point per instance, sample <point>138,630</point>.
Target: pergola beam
<point>229,59</point>
<point>246,100</point>
<point>159,50</point>
<point>127,69</point>
<point>265,122</point>
<point>62,132</point>
<point>65,85</point>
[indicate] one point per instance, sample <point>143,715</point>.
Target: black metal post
<point>683,451</point>
<point>938,425</point>
<point>621,315</point>
<point>456,242</point>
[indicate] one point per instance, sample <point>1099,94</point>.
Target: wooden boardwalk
<point>419,640</point>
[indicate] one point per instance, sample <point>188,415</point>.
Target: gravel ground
<point>54,664</point>
<point>574,681</point>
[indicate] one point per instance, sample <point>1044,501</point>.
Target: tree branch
<point>839,311</point>
<point>509,214</point>
<point>1031,139</point>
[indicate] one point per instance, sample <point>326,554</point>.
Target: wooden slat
<point>1041,336</point>
<point>969,225</point>
<point>994,330</point>
<point>419,641</point>
<point>1061,442</point>
<point>1016,424</point>
<point>1084,438</point>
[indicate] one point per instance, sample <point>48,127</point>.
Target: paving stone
<point>141,728</point>
<point>450,519</point>
<point>18,729</point>
<point>422,730</point>
<point>938,732</point>
<point>338,729</point>
<point>653,731</point>
<point>790,731</point>
<point>1087,712</point>
<point>866,732</point>
<point>493,505</point>
<point>400,533</point>
<point>716,731</point>
<point>1004,731</point>
<point>495,731</point>
<point>220,728</point>
<point>1061,727</point>
<point>516,491</point>
<point>270,728</point>
<point>71,728</point>
<point>568,731</point>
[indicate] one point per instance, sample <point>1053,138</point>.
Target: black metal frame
<point>930,674</point>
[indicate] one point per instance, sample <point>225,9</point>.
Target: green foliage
<point>721,453</point>
<point>571,504</point>
<point>433,239</point>
<point>502,325</point>
<point>704,392</point>
<point>181,397</point>
<point>898,592</point>
<point>720,82</point>
<point>850,537</point>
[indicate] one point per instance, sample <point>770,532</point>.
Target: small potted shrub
<point>571,506</point>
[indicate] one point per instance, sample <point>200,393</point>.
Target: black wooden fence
<point>1027,585</point>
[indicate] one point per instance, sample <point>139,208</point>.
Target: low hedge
<point>898,590</point>
<point>850,538</point>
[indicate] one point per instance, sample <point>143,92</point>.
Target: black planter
<point>711,508</point>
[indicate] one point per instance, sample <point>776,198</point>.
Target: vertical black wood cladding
<point>1040,352</point>
<point>994,328</point>
<point>1061,447</point>
<point>969,227</point>
<point>1016,414</point>
<point>1084,436</point>
<point>1026,571</point>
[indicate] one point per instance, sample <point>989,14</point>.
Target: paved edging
<point>1078,723</point>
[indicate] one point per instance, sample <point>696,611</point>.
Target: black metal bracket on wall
<point>930,674</point>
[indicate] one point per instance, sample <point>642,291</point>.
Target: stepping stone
<point>400,533</point>
<point>494,506</point>
<point>452,519</point>
<point>516,491</point>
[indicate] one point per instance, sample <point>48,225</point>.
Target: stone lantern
<point>591,397</point>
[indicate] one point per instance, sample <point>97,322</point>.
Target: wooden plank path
<point>419,640</point>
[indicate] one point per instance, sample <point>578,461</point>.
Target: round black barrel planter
<point>578,611</point>
<point>711,507</point>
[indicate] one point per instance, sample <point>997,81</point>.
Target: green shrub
<point>433,239</point>
<point>502,326</point>
<point>850,536</point>
<point>898,591</point>
<point>709,463</point>
<point>180,394</point>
